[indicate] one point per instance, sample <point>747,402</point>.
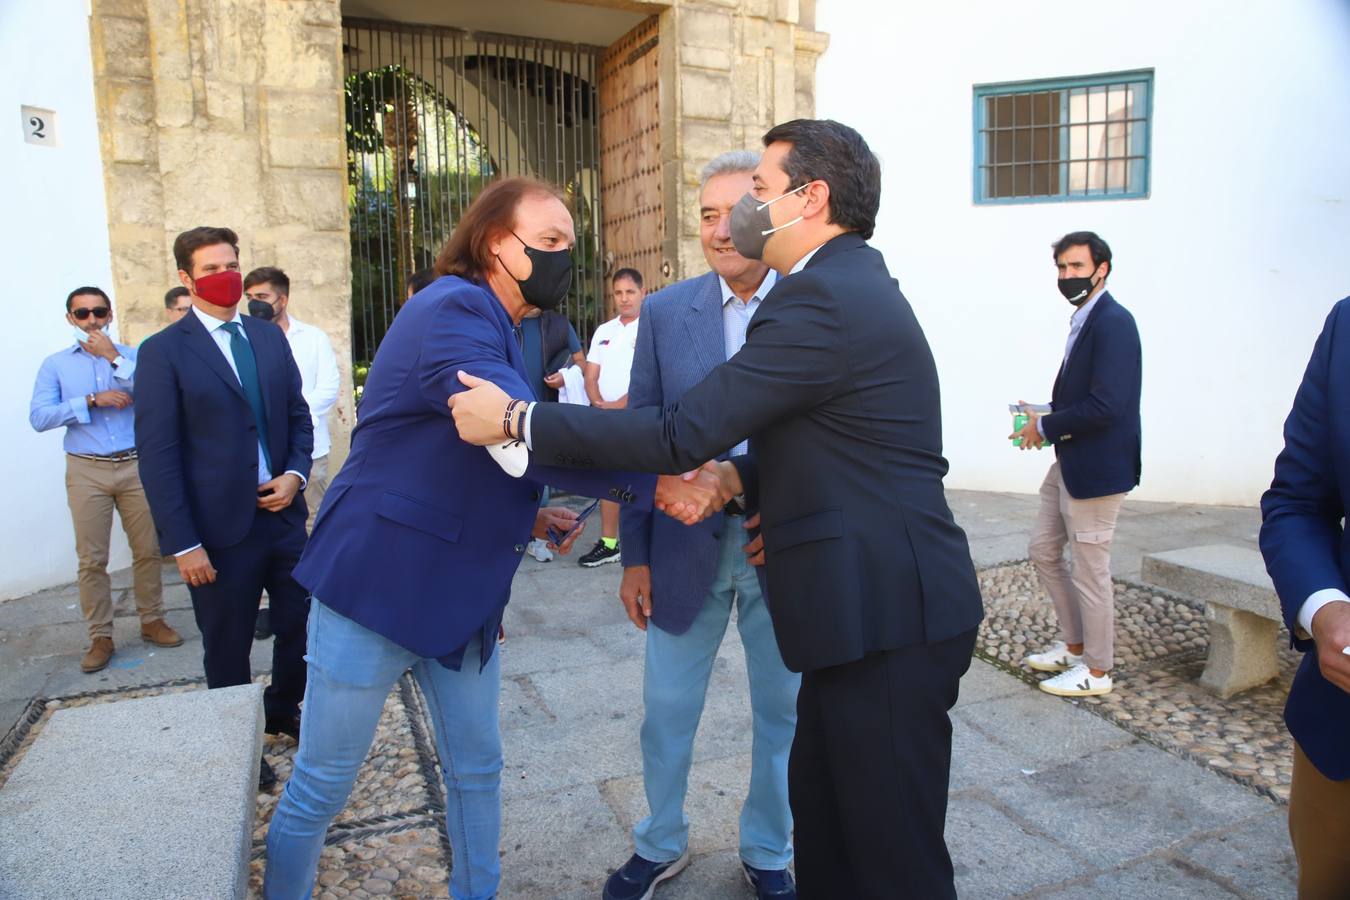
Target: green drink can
<point>1019,422</point>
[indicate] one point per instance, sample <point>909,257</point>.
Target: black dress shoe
<point>287,725</point>
<point>266,777</point>
<point>262,626</point>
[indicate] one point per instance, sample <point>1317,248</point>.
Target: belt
<point>119,456</point>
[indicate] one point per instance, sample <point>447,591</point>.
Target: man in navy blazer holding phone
<point>1307,551</point>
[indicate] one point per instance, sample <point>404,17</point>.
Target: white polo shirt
<point>319,380</point>
<point>612,348</point>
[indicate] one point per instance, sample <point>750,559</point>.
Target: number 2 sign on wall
<point>39,125</point>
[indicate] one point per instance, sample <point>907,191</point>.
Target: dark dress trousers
<point>1095,423</point>
<point>871,587</point>
<point>1303,535</point>
<point>198,443</point>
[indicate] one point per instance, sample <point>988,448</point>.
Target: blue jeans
<point>351,671</point>
<point>675,684</point>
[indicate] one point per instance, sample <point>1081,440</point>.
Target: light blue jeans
<point>351,671</point>
<point>675,685</point>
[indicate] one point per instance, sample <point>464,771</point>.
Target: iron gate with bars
<point>433,115</point>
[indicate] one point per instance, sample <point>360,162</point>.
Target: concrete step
<point>136,800</point>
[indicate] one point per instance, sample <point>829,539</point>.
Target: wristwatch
<point>91,399</point>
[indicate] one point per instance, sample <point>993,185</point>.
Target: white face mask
<point>82,336</point>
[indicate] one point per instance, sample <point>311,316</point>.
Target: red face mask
<point>221,289</point>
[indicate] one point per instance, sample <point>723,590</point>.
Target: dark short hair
<point>493,213</point>
<point>421,279</point>
<point>825,150</point>
<point>632,275</point>
<point>89,290</point>
<point>1100,250</point>
<point>172,294</point>
<point>192,240</point>
<point>269,275</point>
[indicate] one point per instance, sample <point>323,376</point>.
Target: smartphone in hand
<point>557,537</point>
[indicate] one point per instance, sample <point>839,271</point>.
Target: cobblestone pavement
<point>1114,798</point>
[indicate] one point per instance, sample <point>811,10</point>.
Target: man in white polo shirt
<point>268,292</point>
<point>607,368</point>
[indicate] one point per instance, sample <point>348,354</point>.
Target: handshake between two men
<point>484,415</point>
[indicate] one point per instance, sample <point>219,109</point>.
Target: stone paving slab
<point>119,800</point>
<point>1121,804</point>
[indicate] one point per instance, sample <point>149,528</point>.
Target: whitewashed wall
<point>54,235</point>
<point>1229,267</point>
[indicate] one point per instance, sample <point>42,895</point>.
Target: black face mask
<point>550,278</point>
<point>1077,290</point>
<point>261,309</point>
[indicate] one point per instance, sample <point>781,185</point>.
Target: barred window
<point>1066,139</point>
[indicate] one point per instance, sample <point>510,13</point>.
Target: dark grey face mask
<point>751,224</point>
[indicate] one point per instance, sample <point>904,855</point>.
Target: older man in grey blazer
<point>683,581</point>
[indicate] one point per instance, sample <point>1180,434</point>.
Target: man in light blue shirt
<point>681,583</point>
<point>88,388</point>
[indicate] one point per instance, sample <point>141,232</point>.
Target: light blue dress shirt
<point>64,380</point>
<point>736,316</point>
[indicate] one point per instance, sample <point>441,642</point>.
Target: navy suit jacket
<point>1095,422</point>
<point>420,534</point>
<point>838,392</point>
<point>680,342</point>
<point>198,441</point>
<point>1303,536</point>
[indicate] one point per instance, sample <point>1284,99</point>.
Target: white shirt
<point>736,316</point>
<point>314,357</point>
<point>801,263</point>
<point>612,348</point>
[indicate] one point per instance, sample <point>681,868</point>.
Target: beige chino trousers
<point>1080,587</point>
<point>95,488</point>
<point>315,488</point>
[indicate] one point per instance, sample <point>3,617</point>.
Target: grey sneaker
<point>539,550</point>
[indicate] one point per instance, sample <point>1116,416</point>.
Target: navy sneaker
<point>771,884</point>
<point>638,878</point>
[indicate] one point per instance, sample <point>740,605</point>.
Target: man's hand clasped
<point>485,415</point>
<point>560,520</point>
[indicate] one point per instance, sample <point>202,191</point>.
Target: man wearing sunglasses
<point>88,389</point>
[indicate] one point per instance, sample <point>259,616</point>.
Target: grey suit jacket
<point>679,342</point>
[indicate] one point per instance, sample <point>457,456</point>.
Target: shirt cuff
<point>187,551</point>
<point>304,482</point>
<point>124,370</point>
<point>1040,427</point>
<point>79,406</point>
<point>1318,600</point>
<point>529,416</point>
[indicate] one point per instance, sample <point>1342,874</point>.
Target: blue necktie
<point>248,377</point>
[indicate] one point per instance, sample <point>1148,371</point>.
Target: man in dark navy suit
<point>1307,551</point>
<point>224,438</point>
<point>1094,425</point>
<point>870,585</point>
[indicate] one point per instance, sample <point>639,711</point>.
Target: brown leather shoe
<point>160,634</point>
<point>98,655</point>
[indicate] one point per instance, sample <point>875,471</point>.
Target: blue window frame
<point>1064,139</point>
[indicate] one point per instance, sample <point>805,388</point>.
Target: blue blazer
<point>197,440</point>
<point>1303,537</point>
<point>420,534</point>
<point>1095,422</point>
<point>680,342</point>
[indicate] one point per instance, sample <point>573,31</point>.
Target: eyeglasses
<point>98,312</point>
